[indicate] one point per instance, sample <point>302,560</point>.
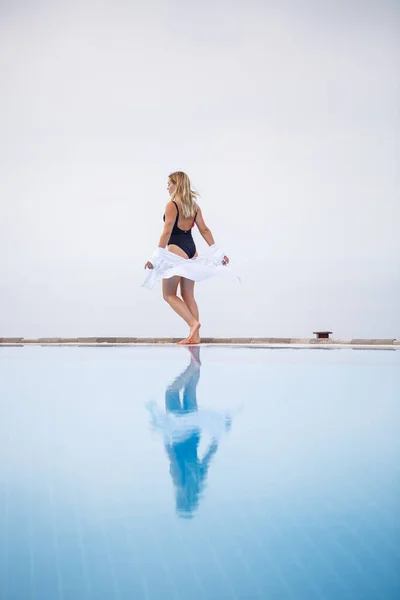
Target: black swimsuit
<point>182,238</point>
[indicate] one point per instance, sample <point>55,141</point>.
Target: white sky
<point>284,115</point>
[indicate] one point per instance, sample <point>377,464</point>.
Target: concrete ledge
<point>373,341</point>
<point>326,341</point>
<point>243,341</point>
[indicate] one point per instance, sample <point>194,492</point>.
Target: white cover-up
<point>178,427</point>
<point>167,264</point>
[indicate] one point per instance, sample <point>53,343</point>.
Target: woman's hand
<point>225,260</point>
<point>148,265</point>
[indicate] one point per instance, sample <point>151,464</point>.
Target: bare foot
<point>193,337</point>
<point>189,341</point>
<point>194,331</point>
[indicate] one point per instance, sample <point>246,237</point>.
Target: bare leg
<point>169,292</point>
<point>177,303</point>
<point>187,293</point>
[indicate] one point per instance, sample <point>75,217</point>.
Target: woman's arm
<point>206,233</point>
<point>202,227</point>
<point>170,215</point>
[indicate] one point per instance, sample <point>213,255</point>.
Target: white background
<point>284,115</point>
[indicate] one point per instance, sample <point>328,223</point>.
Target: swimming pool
<point>159,473</point>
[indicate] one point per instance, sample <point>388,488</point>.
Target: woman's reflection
<point>182,425</point>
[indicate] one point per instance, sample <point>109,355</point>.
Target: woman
<point>181,214</point>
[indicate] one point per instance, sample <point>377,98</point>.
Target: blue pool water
<point>138,473</point>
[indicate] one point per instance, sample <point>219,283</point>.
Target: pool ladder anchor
<point>322,334</point>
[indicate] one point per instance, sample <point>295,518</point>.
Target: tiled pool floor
<point>237,473</point>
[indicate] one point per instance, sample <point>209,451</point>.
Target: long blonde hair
<point>184,193</point>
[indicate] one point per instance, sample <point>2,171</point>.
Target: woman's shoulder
<point>170,208</point>
<point>171,204</point>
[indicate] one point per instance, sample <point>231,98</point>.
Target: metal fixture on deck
<point>322,334</point>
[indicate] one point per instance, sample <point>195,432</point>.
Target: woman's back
<point>182,223</point>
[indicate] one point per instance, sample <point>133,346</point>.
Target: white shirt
<point>167,264</point>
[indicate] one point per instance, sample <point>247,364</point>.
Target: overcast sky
<point>285,115</point>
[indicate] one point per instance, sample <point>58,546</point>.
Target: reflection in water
<point>182,425</point>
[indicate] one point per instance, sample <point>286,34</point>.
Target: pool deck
<point>384,344</point>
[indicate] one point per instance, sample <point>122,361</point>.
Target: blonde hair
<point>184,193</point>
